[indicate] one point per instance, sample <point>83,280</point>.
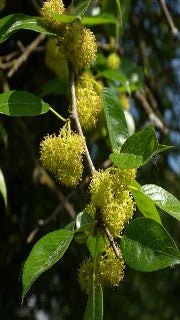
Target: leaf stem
<point>58,115</point>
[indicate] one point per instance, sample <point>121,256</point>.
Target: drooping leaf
<point>84,222</point>
<point>163,199</point>
<point>144,204</point>
<point>138,149</point>
<point>146,246</point>
<point>81,8</point>
<point>94,307</point>
<point>3,189</point>
<point>14,22</point>
<point>45,253</point>
<point>21,103</point>
<point>115,118</point>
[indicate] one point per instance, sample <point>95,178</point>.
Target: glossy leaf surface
<point>163,199</point>
<point>14,22</point>
<point>138,149</point>
<point>45,253</point>
<point>94,307</point>
<point>146,246</point>
<point>144,204</point>
<point>115,118</point>
<point>21,103</point>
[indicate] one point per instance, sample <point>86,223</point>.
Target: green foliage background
<point>56,294</point>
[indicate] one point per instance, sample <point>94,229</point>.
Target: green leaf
<point>94,307</point>
<point>84,222</point>
<point>114,75</point>
<point>62,17</point>
<point>81,8</point>
<point>96,245</point>
<point>3,189</point>
<point>146,246</point>
<point>21,103</point>
<point>115,118</point>
<point>54,86</point>
<point>163,199</point>
<point>14,22</point>
<point>118,2</point>
<point>104,18</point>
<point>138,149</point>
<point>101,19</point>
<point>46,252</point>
<point>144,204</point>
<point>125,9</point>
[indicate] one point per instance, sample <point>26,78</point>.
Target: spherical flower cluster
<point>124,101</point>
<point>56,6</point>
<point>111,201</point>
<point>113,61</point>
<point>55,61</point>
<point>109,271</point>
<point>89,102</point>
<point>62,156</point>
<point>78,44</point>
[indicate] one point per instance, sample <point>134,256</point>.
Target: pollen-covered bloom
<point>108,271</point>
<point>56,6</point>
<point>89,101</point>
<point>111,201</point>
<point>78,44</point>
<point>62,156</point>
<point>55,61</point>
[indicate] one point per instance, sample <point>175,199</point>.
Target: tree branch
<point>111,240</point>
<point>168,17</point>
<point>74,116</point>
<point>24,56</point>
<point>152,116</point>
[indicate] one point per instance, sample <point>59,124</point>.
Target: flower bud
<point>113,61</point>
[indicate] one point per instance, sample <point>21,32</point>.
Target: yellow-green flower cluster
<point>111,201</point>
<point>56,6</point>
<point>109,271</point>
<point>89,102</point>
<point>78,44</point>
<point>55,61</point>
<point>113,61</point>
<point>62,156</point>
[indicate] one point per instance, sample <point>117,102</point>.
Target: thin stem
<point>58,115</point>
<point>111,240</point>
<point>75,117</point>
